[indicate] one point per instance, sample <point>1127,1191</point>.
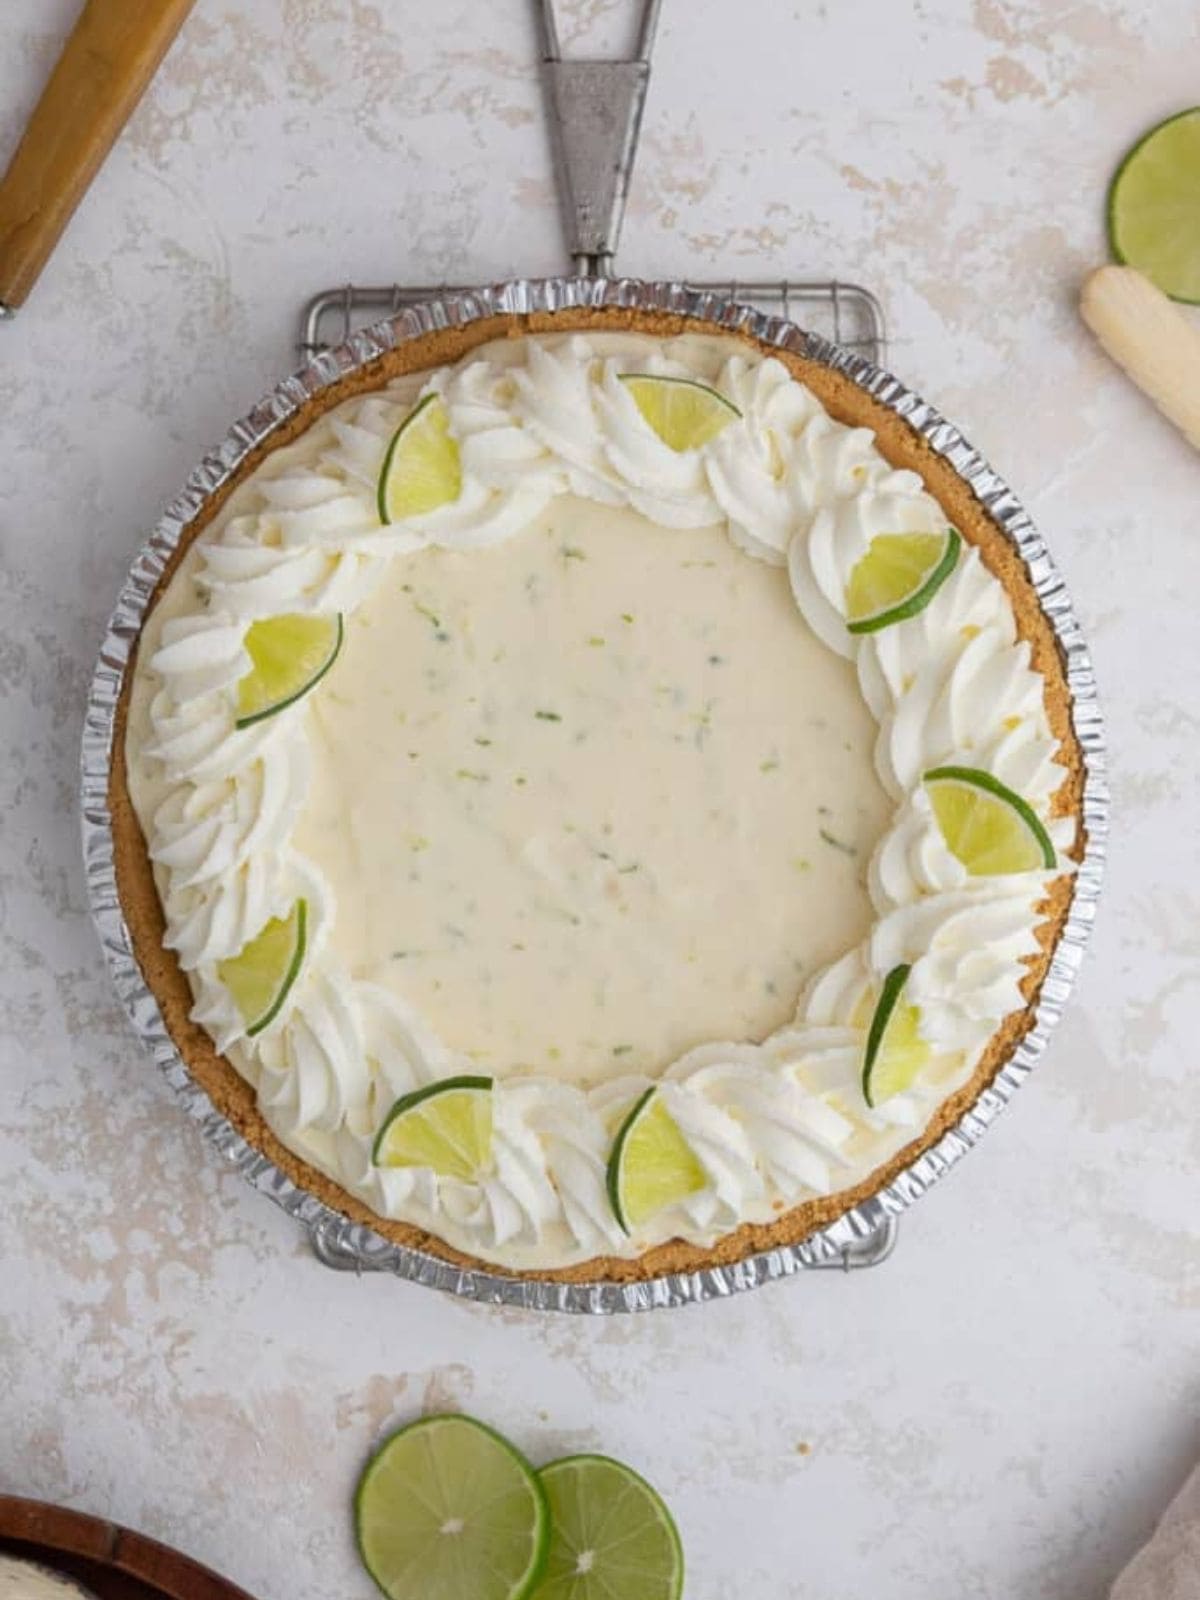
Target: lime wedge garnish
<point>985,825</point>
<point>898,576</point>
<point>610,1534</point>
<point>448,1510</point>
<point>290,654</point>
<point>422,469</point>
<point>263,971</point>
<point>1154,207</point>
<point>895,1050</point>
<point>683,413</point>
<point>446,1126</point>
<point>652,1165</point>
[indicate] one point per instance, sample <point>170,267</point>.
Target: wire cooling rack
<point>845,313</point>
<point>594,110</point>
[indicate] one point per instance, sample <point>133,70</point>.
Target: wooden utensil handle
<point>101,75</point>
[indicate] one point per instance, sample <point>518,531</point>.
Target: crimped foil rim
<point>356,1243</point>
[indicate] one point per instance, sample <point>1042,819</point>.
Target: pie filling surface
<point>600,793</point>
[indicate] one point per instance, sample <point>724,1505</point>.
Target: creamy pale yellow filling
<point>592,796</point>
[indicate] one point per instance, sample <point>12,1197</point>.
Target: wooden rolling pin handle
<point>104,69</point>
<point>1147,335</point>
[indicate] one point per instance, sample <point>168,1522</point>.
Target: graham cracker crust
<point>234,1098</point>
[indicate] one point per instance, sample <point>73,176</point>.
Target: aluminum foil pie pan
<point>353,1244</point>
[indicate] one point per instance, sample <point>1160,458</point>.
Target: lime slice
<point>448,1510</point>
<point>422,469</point>
<point>684,414</point>
<point>898,576</point>
<point>1154,207</point>
<point>290,654</point>
<point>610,1534</point>
<point>652,1165</point>
<point>262,973</point>
<point>446,1126</point>
<point>986,826</point>
<point>895,1050</point>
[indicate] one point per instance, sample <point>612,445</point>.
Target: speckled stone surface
<point>1005,1406</point>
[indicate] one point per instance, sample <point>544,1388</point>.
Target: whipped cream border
<point>766,1123</point>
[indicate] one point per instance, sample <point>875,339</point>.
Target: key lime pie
<point>596,796</point>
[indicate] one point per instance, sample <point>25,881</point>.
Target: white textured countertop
<point>1005,1406</point>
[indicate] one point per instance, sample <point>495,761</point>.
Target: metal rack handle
<point>595,109</point>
